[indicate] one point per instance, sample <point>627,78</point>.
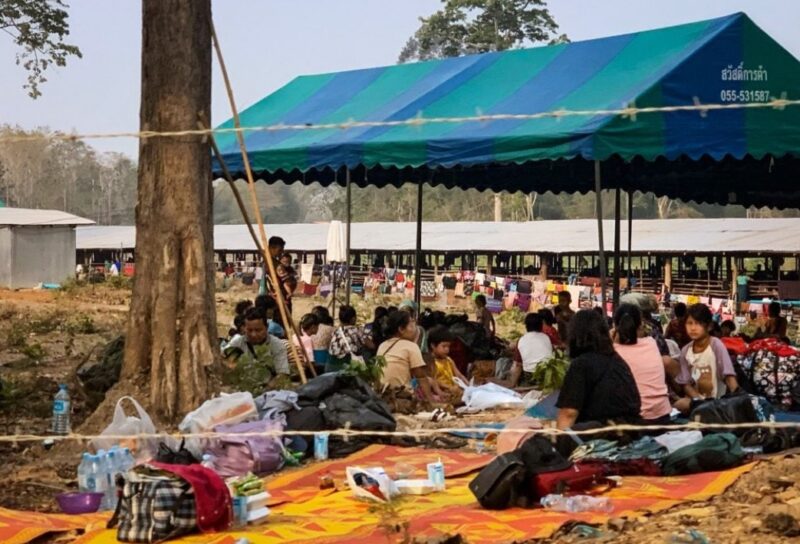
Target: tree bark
<point>172,323</point>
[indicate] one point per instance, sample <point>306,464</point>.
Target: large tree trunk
<point>172,324</point>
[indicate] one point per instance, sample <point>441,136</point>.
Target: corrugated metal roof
<point>673,236</point>
<point>30,217</point>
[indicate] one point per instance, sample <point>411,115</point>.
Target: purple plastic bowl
<point>79,503</point>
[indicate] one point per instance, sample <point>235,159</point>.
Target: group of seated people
<point>627,371</point>
<point>622,375</point>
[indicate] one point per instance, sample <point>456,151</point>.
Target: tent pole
<point>630,238</point>
<point>617,237</point>
<point>418,253</point>
<point>348,277</point>
<point>598,188</point>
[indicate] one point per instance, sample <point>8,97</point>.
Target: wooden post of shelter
<point>598,188</point>
<point>418,253</point>
<point>617,255</point>
<point>630,238</point>
<point>348,275</point>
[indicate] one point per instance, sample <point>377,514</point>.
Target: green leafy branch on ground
<point>549,375</point>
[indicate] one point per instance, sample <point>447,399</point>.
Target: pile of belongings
<point>477,343</point>
<point>245,445</point>
<point>773,369</point>
<point>538,467</point>
<point>530,465</point>
<point>337,401</point>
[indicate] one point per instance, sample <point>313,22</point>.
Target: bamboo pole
<point>617,253</point>
<point>229,178</point>
<point>254,200</point>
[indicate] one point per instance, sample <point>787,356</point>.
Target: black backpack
<point>714,452</point>
<point>505,482</point>
<point>501,483</point>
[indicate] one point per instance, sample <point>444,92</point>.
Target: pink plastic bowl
<point>79,503</point>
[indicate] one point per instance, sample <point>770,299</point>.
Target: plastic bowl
<point>79,503</point>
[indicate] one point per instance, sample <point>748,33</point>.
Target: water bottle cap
<point>101,452</point>
<point>87,455</point>
<point>62,386</point>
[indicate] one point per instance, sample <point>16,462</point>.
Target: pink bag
<point>237,455</point>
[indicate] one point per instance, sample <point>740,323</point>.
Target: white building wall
<point>40,255</point>
<point>6,253</point>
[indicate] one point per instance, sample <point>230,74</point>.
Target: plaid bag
<point>154,506</point>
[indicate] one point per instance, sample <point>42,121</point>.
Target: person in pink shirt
<point>646,364</point>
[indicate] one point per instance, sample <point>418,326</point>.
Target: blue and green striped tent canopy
<point>747,155</point>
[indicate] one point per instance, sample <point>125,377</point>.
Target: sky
<point>266,43</point>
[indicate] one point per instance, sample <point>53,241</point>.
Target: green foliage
<point>34,352</point>
<point>549,375</point>
<point>81,324</point>
<point>118,282</point>
<point>31,397</point>
<point>66,175</point>
<point>247,375</point>
<point>512,317</point>
<point>464,27</point>
<point>71,286</point>
<point>17,336</point>
<point>38,28</point>
<point>371,371</point>
<point>45,324</point>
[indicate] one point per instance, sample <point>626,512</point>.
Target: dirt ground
<point>45,336</point>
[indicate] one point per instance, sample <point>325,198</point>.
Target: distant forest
<point>74,177</point>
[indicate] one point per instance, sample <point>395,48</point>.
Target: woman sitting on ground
<point>347,340</point>
<point>403,357</point>
<point>421,338</point>
<point>599,385</point>
<point>646,364</point>
<point>706,368</point>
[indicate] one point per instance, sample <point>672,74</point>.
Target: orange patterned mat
<point>335,517</point>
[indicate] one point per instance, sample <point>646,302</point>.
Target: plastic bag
<point>235,455</point>
<point>223,410</point>
<point>125,425</point>
<point>371,483</point>
<point>484,397</point>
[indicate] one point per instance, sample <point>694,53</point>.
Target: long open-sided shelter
<point>555,118</point>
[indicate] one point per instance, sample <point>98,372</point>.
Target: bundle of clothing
<point>338,401</point>
<point>773,370</point>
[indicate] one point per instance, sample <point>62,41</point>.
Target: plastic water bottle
<point>126,461</point>
<point>86,481</point>
<point>112,465</point>
<point>61,411</point>
<point>577,503</point>
<point>321,446</point>
<point>100,475</point>
<point>436,474</point>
